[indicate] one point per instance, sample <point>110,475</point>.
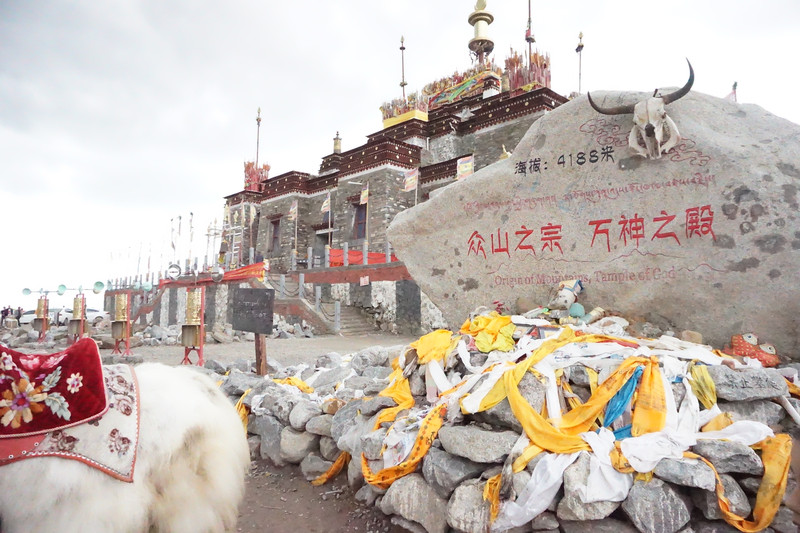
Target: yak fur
<point>189,476</point>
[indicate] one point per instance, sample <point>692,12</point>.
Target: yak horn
<point>619,110</point>
<point>627,109</point>
<point>680,93</point>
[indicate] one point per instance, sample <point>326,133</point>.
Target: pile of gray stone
<point>26,337</point>
<point>445,493</point>
<point>283,329</point>
<point>151,335</point>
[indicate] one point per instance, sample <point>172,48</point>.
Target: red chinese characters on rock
<point>633,230</point>
<point>699,222</point>
<point>551,236</point>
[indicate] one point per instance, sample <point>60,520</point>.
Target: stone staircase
<point>352,321</point>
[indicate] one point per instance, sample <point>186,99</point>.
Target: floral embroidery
<point>58,441</point>
<point>117,443</point>
<point>74,383</point>
<point>6,363</point>
<point>21,402</point>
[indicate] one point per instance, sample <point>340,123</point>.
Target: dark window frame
<point>360,222</point>
<point>275,235</point>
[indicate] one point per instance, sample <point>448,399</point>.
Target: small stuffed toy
<point>568,292</point>
<point>746,345</point>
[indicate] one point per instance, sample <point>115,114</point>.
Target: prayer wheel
<point>40,322</point>
<point>74,326</point>
<point>119,326</point>
<point>193,305</point>
<point>77,307</point>
<point>121,307</point>
<point>191,331</point>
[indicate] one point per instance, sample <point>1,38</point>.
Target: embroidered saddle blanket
<point>69,405</point>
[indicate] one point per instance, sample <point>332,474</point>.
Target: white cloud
<point>117,116</point>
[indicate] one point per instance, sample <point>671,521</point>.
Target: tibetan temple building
<point>469,117</point>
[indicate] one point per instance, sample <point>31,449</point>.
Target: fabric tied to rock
<point>616,406</point>
<point>295,382</point>
<point>702,385</point>
<point>334,470</point>
<point>398,390</point>
<point>776,453</point>
<point>242,409</point>
<point>428,430</point>
<point>491,332</point>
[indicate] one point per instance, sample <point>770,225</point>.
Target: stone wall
<point>395,305</point>
<point>487,144</point>
<point>408,313</point>
<point>280,257</point>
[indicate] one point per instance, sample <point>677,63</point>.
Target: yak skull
<point>649,120</point>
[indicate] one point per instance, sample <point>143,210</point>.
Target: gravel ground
<point>284,351</point>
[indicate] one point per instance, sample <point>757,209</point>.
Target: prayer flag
<point>410,181</point>
<point>364,194</point>
<point>465,167</point>
<point>326,204</point>
<point>293,211</point>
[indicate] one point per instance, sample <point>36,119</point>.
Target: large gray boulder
<point>372,356</point>
<point>372,444</point>
<point>302,412</point>
<point>607,525</point>
<point>444,471</point>
<point>476,444</point>
<point>467,510</point>
<point>295,445</point>
<point>411,498</point>
<point>280,402</point>
<point>748,383</point>
<point>656,507</point>
<point>708,503</point>
<point>730,457</point>
<point>501,414</point>
<point>686,472</point>
<point>328,448</point>
<point>269,429</point>
<point>764,411</point>
<point>314,466</point>
<point>705,235</point>
<point>330,378</point>
<point>576,476</point>
<point>343,418</point>
<point>236,383</point>
<point>320,425</point>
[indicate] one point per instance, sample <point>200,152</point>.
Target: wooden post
<point>261,354</point>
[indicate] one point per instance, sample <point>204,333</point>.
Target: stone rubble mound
<point>443,434</point>
<point>150,335</point>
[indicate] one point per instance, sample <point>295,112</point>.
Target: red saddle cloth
<point>43,393</point>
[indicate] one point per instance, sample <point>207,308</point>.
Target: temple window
<point>275,241</point>
<point>360,222</point>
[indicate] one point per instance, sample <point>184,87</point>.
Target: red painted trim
<point>353,274</point>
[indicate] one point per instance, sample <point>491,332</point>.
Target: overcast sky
<point>119,115</point>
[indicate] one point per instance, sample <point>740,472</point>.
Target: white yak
<point>189,474</point>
